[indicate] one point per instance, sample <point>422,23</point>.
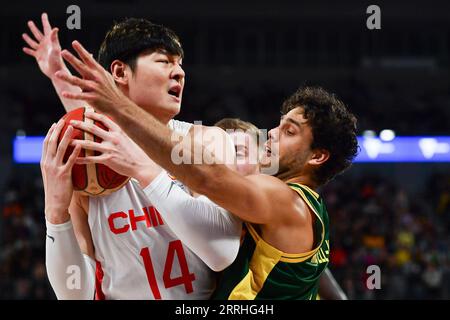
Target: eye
<point>163,61</point>
<point>290,132</point>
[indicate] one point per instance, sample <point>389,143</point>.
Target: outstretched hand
<point>98,87</point>
<point>44,47</point>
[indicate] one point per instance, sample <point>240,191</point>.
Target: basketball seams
<point>91,179</point>
<point>93,186</point>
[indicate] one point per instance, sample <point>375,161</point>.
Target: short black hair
<point>333,128</point>
<point>132,36</point>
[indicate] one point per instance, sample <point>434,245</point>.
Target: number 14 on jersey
<point>186,278</point>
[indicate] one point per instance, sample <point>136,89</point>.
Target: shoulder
<point>287,205</point>
<point>270,182</point>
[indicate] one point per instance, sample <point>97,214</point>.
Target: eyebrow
<point>167,53</point>
<point>298,124</point>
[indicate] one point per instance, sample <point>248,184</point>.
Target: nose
<point>273,134</point>
<point>178,73</point>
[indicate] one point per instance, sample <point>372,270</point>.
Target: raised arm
<point>255,199</point>
<point>46,49</point>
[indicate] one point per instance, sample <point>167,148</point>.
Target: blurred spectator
<point>407,239</point>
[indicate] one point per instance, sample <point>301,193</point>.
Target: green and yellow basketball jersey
<point>261,271</point>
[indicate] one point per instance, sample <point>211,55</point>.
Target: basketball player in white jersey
<point>137,255</point>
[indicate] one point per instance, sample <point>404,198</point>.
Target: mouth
<point>268,151</point>
<point>175,91</point>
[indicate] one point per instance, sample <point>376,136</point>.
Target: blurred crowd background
<point>242,60</point>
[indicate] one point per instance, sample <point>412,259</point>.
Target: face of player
<point>289,144</point>
<point>246,153</point>
<point>157,83</point>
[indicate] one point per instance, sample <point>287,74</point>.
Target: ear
<point>121,72</point>
<point>319,156</point>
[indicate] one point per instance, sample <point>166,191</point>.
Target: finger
<point>29,51</point>
<point>53,141</point>
<point>84,96</point>
<point>85,55</point>
<point>33,44</point>
<point>46,139</point>
<point>85,85</point>
<point>91,128</point>
<point>37,34</point>
<point>91,159</point>
<point>73,157</point>
<point>54,37</point>
<point>90,145</point>
<point>45,23</point>
<point>111,125</point>
<point>62,146</point>
<point>81,68</point>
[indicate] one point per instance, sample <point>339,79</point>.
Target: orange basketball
<point>91,179</point>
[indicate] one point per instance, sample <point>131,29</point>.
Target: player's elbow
<point>222,260</point>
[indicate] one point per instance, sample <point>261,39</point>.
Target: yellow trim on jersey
<point>315,194</point>
<point>264,259</point>
<point>285,257</point>
<point>305,198</point>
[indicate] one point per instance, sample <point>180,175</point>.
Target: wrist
<point>54,78</point>
<point>57,216</point>
<point>146,175</point>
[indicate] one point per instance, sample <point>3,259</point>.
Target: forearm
<point>223,186</point>
<point>211,232</point>
<point>71,274</point>
<point>61,86</point>
<point>146,174</point>
<point>167,148</point>
<point>329,289</point>
<point>56,216</point>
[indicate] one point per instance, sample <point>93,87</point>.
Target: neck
<point>161,117</point>
<point>163,120</point>
<point>293,177</point>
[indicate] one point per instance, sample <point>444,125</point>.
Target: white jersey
<point>138,256</point>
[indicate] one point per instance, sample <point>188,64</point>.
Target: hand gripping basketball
<point>90,179</point>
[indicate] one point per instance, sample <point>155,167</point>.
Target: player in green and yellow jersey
<point>261,271</point>
<point>245,136</point>
<point>286,248</point>
<point>315,141</point>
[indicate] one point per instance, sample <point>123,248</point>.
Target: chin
<point>171,107</point>
<point>176,110</point>
<point>163,112</point>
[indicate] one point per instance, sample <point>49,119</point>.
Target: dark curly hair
<point>132,36</point>
<point>333,128</point>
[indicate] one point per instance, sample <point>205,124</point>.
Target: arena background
<point>242,59</point>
